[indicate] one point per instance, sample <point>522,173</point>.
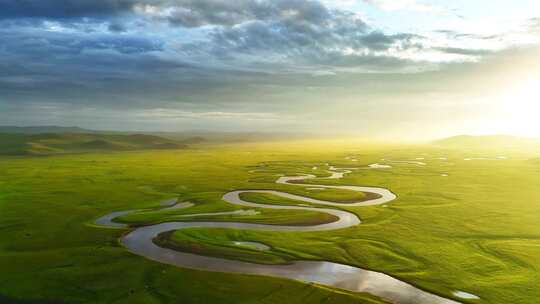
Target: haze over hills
<point>46,140</point>
<point>472,141</point>
<point>43,129</point>
<point>61,143</point>
<point>194,136</point>
<point>488,143</point>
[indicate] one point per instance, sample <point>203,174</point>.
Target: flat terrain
<point>466,220</point>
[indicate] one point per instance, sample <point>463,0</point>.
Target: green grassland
<point>258,215</point>
<point>475,229</point>
<point>196,240</point>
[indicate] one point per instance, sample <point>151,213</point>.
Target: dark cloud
<point>57,45</point>
<point>44,65</point>
<point>63,8</point>
<point>194,13</point>
<point>377,40</point>
<point>105,61</point>
<point>204,55</point>
<point>188,13</point>
<point>117,27</point>
<point>338,39</point>
<point>251,35</point>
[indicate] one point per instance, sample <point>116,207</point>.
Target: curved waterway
<point>140,241</point>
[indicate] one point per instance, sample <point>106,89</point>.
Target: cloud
<point>188,13</point>
<point>411,5</point>
<point>461,35</point>
<point>163,113</point>
<point>38,43</point>
<point>263,35</point>
<point>268,36</point>
<point>196,13</point>
<point>209,59</point>
<point>63,8</point>
<point>464,51</point>
<point>302,36</point>
<point>117,27</point>
<point>152,60</point>
<point>39,64</point>
<point>534,26</point>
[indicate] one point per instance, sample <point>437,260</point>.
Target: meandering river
<point>140,241</point>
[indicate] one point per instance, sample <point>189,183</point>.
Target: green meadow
<point>457,224</point>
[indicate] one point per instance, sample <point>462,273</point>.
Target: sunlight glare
<point>521,106</point>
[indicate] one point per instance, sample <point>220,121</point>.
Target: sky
<point>368,68</point>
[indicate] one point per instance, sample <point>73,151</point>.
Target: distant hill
<point>488,142</point>
<point>61,143</point>
<point>194,140</point>
<point>186,137</point>
<point>234,137</point>
<point>43,129</point>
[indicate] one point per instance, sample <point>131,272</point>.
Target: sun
<point>521,109</point>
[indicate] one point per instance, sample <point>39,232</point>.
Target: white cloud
<point>411,5</point>
<point>162,113</point>
<point>343,4</point>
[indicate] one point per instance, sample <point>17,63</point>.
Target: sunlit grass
<point>474,229</point>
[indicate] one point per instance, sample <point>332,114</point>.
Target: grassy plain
<point>456,225</point>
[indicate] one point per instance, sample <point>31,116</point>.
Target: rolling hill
<point>498,142</point>
<point>43,129</point>
<point>60,143</point>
